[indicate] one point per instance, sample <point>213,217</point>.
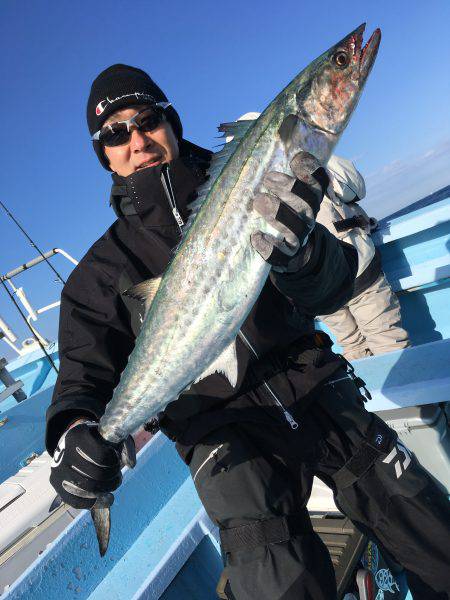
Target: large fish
<point>197,308</point>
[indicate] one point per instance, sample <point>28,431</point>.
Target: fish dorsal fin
<point>144,291</point>
<point>226,363</point>
<point>237,130</point>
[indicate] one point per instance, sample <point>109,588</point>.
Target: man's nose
<point>139,141</point>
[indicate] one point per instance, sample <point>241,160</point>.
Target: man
<point>253,449</point>
<point>370,322</point>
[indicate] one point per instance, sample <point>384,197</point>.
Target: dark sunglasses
<point>119,133</point>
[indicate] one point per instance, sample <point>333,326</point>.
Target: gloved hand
<point>291,207</point>
<point>84,465</point>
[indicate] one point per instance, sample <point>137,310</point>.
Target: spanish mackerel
<point>196,310</point>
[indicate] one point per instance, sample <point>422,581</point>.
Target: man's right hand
<point>84,466</point>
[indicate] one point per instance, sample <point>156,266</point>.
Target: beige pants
<point>370,323</point>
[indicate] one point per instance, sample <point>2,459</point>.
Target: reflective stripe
<point>287,415</point>
<point>210,455</point>
<point>336,380</point>
<point>167,185</point>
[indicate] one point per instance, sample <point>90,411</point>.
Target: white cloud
<point>403,182</point>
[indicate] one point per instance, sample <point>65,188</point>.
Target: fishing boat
<point>163,544</point>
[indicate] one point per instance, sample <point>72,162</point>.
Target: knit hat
<point>116,88</point>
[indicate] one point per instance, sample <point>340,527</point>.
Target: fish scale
<point>216,276</point>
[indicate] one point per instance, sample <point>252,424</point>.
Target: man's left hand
<point>290,206</point>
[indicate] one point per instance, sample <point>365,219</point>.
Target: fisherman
<point>297,412</point>
<point>370,322</point>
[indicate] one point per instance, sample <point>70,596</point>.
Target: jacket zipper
<point>287,415</point>
<point>168,188</point>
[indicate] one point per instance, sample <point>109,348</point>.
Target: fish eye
<point>341,59</point>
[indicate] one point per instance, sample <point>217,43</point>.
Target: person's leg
<point>270,550</point>
<point>382,488</point>
<point>348,336</point>
<point>377,314</point>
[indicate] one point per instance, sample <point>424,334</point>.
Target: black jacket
<point>98,324</point>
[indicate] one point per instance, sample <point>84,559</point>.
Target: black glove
<point>290,207</point>
<point>85,466</point>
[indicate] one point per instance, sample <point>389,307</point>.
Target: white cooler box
<point>424,431</point>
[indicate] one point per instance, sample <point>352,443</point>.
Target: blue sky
<point>215,61</point>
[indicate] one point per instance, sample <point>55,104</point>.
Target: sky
<point>215,61</point>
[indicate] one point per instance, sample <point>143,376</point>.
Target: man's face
<point>145,148</point>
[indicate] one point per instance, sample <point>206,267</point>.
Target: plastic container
<point>424,431</point>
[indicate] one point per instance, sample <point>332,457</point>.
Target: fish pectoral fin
<point>144,291</point>
<point>226,363</point>
<point>286,129</point>
<point>128,453</point>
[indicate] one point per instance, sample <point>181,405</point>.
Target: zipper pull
<point>177,216</point>
<point>290,419</point>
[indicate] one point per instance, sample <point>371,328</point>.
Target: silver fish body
<point>216,276</point>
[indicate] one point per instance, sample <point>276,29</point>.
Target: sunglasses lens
<point>115,134</point>
<point>150,120</point>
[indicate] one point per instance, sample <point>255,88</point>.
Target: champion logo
<point>101,107</point>
<point>103,104</point>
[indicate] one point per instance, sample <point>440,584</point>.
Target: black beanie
<point>120,86</point>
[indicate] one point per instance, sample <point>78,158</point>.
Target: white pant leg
<point>344,327</point>
<point>377,314</point>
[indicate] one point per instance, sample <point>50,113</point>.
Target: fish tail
<point>101,516</point>
<point>100,512</point>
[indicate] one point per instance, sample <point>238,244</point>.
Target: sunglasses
<point>119,133</point>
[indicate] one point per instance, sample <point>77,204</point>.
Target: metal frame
<point>32,315</point>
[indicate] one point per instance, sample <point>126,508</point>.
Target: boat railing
<point>12,386</point>
<point>32,314</point>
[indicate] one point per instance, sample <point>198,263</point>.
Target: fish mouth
<point>340,83</point>
<point>366,55</point>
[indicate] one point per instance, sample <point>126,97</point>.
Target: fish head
<point>334,82</point>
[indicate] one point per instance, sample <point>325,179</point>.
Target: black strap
<point>278,258</point>
<point>269,531</point>
<point>290,218</point>
<point>379,441</point>
<point>350,223</point>
<point>321,176</point>
<point>305,192</point>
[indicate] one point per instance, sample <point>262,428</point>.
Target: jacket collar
<point>143,194</point>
